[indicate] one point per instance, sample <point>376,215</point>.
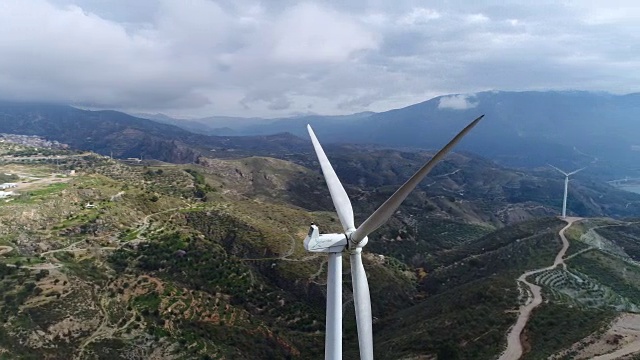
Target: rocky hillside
<point>205,260</point>
<point>107,132</point>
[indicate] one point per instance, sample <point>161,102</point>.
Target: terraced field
<point>586,300</point>
<point>601,274</point>
<point>575,288</point>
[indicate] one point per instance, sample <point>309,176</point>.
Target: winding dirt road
<point>514,345</point>
<point>70,248</point>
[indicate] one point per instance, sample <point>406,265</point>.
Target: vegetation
<point>432,238</point>
<point>472,316</point>
<point>623,278</point>
<point>574,235</point>
<point>626,236</point>
<point>510,250</point>
<point>8,178</point>
<point>554,327</point>
<point>201,187</point>
<point>206,261</point>
<point>36,195</point>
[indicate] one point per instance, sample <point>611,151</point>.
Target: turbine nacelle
<point>329,243</point>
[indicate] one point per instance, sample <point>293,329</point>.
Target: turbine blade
<point>340,199</point>
<point>562,172</point>
<point>362,303</point>
<point>384,212</point>
<point>577,171</point>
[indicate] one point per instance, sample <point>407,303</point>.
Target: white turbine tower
<point>354,239</point>
<point>566,188</point>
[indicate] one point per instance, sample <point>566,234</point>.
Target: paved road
<point>514,346</point>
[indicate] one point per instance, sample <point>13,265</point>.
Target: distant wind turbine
<point>566,188</point>
<point>354,239</point>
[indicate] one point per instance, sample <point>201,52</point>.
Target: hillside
<point>112,132</point>
<point>470,187</point>
<point>237,126</point>
<point>75,289</point>
<point>206,260</point>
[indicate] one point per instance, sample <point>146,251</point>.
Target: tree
<point>42,274</point>
<point>448,351</point>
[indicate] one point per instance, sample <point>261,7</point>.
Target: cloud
<point>456,102</point>
<point>281,103</point>
<point>309,33</point>
<point>66,54</point>
<point>257,58</point>
<point>477,18</point>
<point>272,101</point>
<point>419,16</point>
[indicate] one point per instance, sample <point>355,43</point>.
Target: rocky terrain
<point>193,261</point>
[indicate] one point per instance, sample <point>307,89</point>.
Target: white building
<point>5,194</point>
<point>8,185</point>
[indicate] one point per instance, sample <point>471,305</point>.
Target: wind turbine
<point>354,239</point>
<point>566,188</point>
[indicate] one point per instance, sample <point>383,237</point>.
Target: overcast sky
<point>279,57</point>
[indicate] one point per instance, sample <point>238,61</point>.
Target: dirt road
<point>45,266</point>
<point>70,248</point>
<point>514,346</point>
<point>39,183</point>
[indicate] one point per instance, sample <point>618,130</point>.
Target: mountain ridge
<point>109,131</point>
<point>522,129</point>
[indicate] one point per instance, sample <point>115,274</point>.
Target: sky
<point>197,58</point>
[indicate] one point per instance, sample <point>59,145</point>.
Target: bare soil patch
<point>620,339</point>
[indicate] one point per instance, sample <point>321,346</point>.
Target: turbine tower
<point>566,188</point>
<point>354,239</point>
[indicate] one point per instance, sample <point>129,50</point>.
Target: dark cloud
<point>281,103</point>
<point>274,58</point>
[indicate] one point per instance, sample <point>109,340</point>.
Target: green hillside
<point>197,261</point>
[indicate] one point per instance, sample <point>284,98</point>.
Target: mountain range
<point>569,129</point>
<point>122,135</point>
<point>524,129</point>
<point>199,255</point>
<point>112,132</point>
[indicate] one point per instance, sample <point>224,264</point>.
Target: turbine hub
<point>357,246</point>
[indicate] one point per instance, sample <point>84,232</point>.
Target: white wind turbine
<point>566,188</point>
<point>354,239</point>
